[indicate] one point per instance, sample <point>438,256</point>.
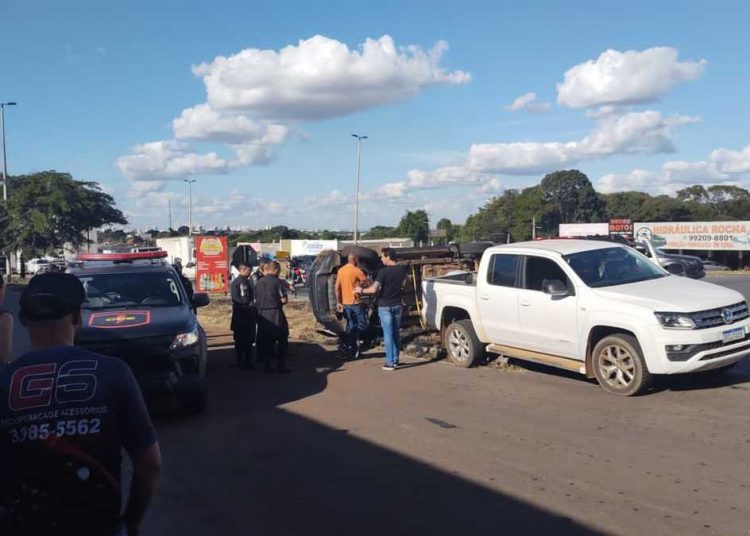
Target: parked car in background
<point>684,265</point>
<point>33,266</point>
<point>713,266</point>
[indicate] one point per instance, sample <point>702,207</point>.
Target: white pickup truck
<point>597,308</point>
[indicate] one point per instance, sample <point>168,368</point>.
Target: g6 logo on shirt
<point>35,385</point>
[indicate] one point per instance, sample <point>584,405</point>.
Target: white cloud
<point>168,160</point>
<point>203,123</point>
<point>732,161</point>
<point>646,132</point>
<point>528,102</point>
<point>629,77</point>
<point>636,132</point>
<point>334,198</point>
<point>322,77</point>
<point>723,166</point>
<point>492,186</point>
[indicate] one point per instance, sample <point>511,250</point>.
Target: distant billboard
<point>571,230</point>
<point>311,247</point>
<point>704,235</point>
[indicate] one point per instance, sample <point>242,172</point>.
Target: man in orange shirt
<point>350,276</point>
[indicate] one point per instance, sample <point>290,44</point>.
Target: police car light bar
<point>115,257</point>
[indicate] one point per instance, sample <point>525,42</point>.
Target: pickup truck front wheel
<point>619,365</point>
<point>462,344</point>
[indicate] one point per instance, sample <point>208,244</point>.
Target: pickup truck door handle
<point>484,297</point>
<point>525,303</point>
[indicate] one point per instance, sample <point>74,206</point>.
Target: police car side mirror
<point>201,299</point>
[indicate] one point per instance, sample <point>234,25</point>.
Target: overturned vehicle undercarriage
<point>422,263</point>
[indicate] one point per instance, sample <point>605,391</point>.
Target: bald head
<point>353,259</point>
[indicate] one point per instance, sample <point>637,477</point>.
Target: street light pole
<point>5,177</point>
<point>5,158</point>
<point>356,194</point>
<point>190,205</point>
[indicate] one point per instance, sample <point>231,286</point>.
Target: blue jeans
<point>390,319</point>
<point>356,325</point>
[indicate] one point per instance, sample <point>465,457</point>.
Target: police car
<point>137,309</point>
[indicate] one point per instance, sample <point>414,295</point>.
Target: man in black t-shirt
<point>65,415</point>
<point>390,283</point>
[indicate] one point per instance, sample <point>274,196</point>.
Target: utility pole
<point>533,227</point>
<point>5,178</point>
<point>169,201</point>
<point>356,194</point>
<point>190,205</point>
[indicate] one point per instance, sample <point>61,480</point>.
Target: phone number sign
<point>704,235</point>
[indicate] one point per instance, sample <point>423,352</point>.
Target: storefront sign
<point>621,227</point>
<point>573,230</point>
<point>705,235</point>
<point>212,264</point>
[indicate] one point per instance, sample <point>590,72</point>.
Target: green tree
<point>48,209</point>
<point>415,225</point>
<point>380,231</point>
<point>446,225</point>
<point>572,195</point>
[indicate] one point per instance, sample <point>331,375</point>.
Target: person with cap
<point>347,302</point>
<point>6,328</point>
<point>244,317</point>
<point>65,415</point>
<point>389,283</point>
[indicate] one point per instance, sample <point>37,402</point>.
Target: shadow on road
<point>248,466</point>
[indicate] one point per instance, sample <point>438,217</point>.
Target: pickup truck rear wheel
<point>462,344</point>
<point>619,365</point>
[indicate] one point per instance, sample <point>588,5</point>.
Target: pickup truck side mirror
<point>200,299</point>
<point>555,287</point>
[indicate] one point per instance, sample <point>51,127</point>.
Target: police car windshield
<point>117,290</point>
<point>613,266</point>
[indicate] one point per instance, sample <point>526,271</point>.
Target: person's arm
<point>146,467</point>
<point>138,436</point>
<point>6,337</point>
<point>339,299</point>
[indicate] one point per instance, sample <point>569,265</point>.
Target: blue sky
<point>267,133</point>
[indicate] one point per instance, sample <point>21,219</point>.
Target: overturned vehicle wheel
<point>322,282</point>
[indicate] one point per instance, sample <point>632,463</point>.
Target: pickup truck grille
<point>714,317</point>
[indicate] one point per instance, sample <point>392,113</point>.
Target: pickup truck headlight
<point>675,320</point>
<point>183,340</point>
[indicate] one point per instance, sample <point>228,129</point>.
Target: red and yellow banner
<point>211,264</point>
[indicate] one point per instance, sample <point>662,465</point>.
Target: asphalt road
<point>346,448</point>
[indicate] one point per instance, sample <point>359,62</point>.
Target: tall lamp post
<point>5,175</point>
<point>190,205</point>
<point>356,194</point>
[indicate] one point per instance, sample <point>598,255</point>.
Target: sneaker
<point>388,367</point>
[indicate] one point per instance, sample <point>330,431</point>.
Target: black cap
<point>51,296</point>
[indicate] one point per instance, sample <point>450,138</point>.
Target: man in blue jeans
<point>389,283</point>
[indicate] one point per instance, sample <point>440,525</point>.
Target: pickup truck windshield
<point>111,291</point>
<point>612,266</point>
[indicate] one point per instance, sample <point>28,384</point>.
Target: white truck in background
<point>182,248</point>
<point>597,308</point>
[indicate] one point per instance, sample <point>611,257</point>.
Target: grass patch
<point>302,324</point>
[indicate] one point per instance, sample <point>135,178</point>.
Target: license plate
<point>732,335</point>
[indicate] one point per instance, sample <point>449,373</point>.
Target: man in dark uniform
<point>273,330</point>
<point>65,415</point>
<point>243,317</point>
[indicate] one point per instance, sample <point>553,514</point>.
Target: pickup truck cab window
<point>502,270</point>
<point>539,269</point>
<point>612,266</point>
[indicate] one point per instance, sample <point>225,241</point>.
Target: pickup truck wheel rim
<point>617,366</point>
<point>458,344</point>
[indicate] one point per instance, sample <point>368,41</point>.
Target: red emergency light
<point>120,257</point>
